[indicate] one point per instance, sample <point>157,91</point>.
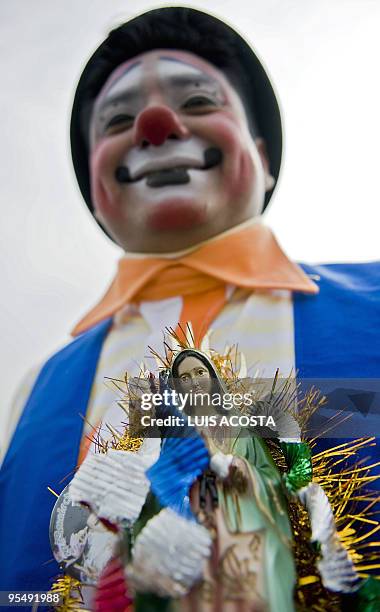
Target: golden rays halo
<point>231,364</point>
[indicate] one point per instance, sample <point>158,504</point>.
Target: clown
<point>176,142</point>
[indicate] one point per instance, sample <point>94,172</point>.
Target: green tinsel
<point>369,596</point>
<point>298,459</point>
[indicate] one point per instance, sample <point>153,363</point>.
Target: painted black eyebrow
<point>181,80</point>
<point>176,81</point>
<point>167,58</point>
<point>188,79</point>
<point>126,96</point>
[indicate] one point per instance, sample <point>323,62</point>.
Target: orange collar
<point>250,258</point>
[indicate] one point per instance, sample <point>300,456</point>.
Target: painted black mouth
<point>170,176</point>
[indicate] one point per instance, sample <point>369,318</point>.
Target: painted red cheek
<point>238,165</point>
<point>104,191</point>
<point>224,130</point>
<point>245,173</point>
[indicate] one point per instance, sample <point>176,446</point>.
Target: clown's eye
<point>184,378</point>
<point>118,123</point>
<point>201,372</point>
<point>199,103</point>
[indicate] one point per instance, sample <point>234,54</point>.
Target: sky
<point>323,58</point>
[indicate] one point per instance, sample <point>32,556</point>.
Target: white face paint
<point>156,124</point>
<point>171,154</point>
<point>188,155</point>
<point>172,84</point>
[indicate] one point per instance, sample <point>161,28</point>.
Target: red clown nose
<point>156,124</point>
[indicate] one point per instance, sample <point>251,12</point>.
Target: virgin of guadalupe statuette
<point>213,508</point>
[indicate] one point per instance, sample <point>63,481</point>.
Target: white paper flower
<point>169,554</point>
<point>114,484</point>
<point>335,566</point>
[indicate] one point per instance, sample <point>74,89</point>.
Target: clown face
<point>172,159</point>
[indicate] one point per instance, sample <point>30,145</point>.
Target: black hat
<point>190,30</point>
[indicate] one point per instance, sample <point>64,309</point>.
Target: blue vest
<point>336,336</point>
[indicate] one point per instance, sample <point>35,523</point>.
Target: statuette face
<point>193,375</point>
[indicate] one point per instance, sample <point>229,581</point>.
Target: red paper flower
<point>112,592</point>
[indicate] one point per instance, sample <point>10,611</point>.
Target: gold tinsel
<point>346,487</point>
<point>125,441</point>
<point>117,441</point>
<point>70,591</point>
<point>345,483</point>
